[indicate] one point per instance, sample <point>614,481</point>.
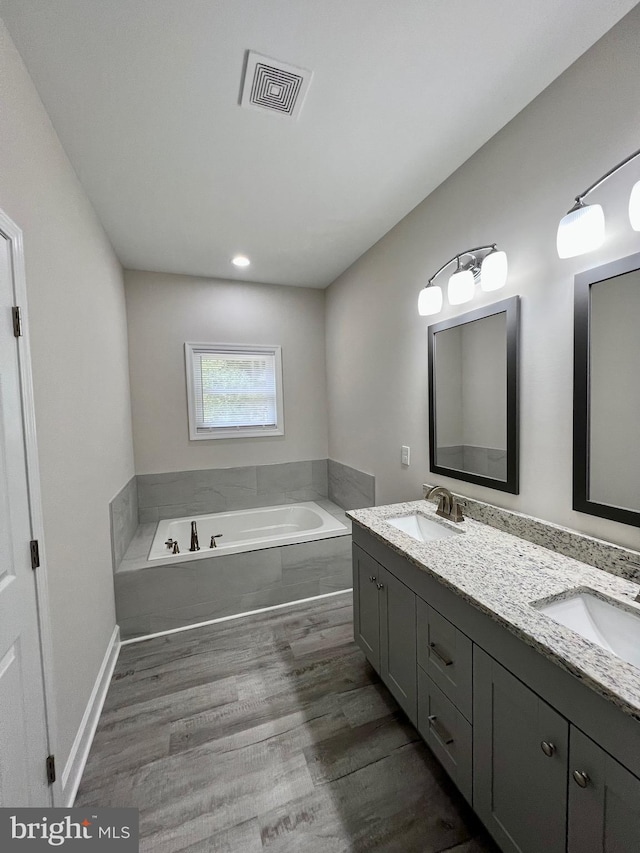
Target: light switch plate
<point>405,454</point>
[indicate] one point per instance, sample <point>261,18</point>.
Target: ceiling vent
<point>274,86</point>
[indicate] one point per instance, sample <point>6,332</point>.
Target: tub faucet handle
<point>213,543</point>
<point>169,543</point>
<point>175,549</point>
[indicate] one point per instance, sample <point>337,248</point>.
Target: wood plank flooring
<point>270,734</point>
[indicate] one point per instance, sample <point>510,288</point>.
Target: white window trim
<point>233,432</point>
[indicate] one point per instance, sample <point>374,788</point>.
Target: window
<point>234,391</point>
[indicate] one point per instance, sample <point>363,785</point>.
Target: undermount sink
<point>421,528</point>
<point>606,623</point>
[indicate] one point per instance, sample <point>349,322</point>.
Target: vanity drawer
<point>446,655</point>
<point>446,732</point>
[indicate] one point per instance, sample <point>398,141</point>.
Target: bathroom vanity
<point>538,727</point>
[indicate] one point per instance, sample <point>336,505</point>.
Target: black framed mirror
<point>473,396</point>
<point>606,391</point>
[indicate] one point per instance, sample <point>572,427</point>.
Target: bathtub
<point>245,530</point>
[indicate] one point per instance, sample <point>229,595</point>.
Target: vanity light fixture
<point>489,268</point>
<point>240,261</point>
<point>582,229</point>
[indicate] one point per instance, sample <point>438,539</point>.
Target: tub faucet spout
<point>194,537</point>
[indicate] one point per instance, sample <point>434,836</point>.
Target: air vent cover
<point>274,86</point>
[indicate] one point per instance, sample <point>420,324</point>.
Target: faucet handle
<point>456,509</point>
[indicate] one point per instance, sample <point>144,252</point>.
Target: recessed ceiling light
<point>241,261</point>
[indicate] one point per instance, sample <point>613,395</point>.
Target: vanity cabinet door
<point>520,759</point>
<point>398,665</point>
<point>604,801</point>
<point>367,575</point>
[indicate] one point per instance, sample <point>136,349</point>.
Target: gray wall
<point>512,191</point>
<point>79,350</point>
<point>164,311</point>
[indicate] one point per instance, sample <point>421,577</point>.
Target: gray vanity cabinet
<point>558,774</point>
<point>366,605</point>
<point>398,643</point>
<point>520,758</point>
<point>385,628</point>
<point>604,800</point>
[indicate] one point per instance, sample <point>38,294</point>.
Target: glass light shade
<point>430,300</point>
<point>580,231</point>
<point>493,272</point>
<point>460,287</point>
<point>634,207</point>
<point>240,261</point>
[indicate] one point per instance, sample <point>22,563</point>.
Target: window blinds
<point>234,390</point>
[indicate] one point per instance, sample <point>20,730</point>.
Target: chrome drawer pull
<point>442,733</point>
<point>548,748</point>
<point>581,778</point>
<point>444,660</point>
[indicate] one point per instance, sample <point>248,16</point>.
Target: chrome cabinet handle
<point>380,585</point>
<point>445,661</point>
<point>442,733</point>
<point>372,578</point>
<point>581,778</point>
<point>548,748</point>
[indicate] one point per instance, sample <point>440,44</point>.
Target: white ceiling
<point>144,95</point>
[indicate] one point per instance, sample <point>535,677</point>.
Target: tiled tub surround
<point>596,552</point>
<point>179,493</point>
<point>503,575</point>
<point>350,488</point>
<point>152,597</point>
<point>123,514</point>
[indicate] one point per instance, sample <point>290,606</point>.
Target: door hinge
<point>17,321</point>
<point>35,553</point>
<point>51,769</point>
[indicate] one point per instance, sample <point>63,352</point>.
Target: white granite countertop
<point>502,575</point>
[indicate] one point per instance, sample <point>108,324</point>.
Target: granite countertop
<point>502,575</point>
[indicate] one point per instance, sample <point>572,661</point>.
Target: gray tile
<point>134,626</point>
<point>191,614</point>
<point>279,595</point>
<point>335,584</point>
<point>350,488</point>
<point>320,476</point>
<point>315,560</point>
<point>123,514</point>
<point>284,477</point>
<point>148,515</point>
<point>212,489</point>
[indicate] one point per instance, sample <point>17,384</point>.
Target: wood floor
<point>272,734</point>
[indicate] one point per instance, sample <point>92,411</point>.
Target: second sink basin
<point>609,625</point>
<point>421,528</point>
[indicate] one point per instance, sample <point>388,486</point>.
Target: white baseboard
<point>74,768</point>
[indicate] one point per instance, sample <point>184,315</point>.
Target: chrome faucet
<point>194,537</point>
<point>213,543</point>
<point>175,549</point>
<point>449,506</point>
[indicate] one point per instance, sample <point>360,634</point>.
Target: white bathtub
<point>245,530</point>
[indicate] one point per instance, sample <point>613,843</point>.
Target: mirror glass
<point>607,410</point>
<point>473,418</point>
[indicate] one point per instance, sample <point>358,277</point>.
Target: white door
<point>23,734</point>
